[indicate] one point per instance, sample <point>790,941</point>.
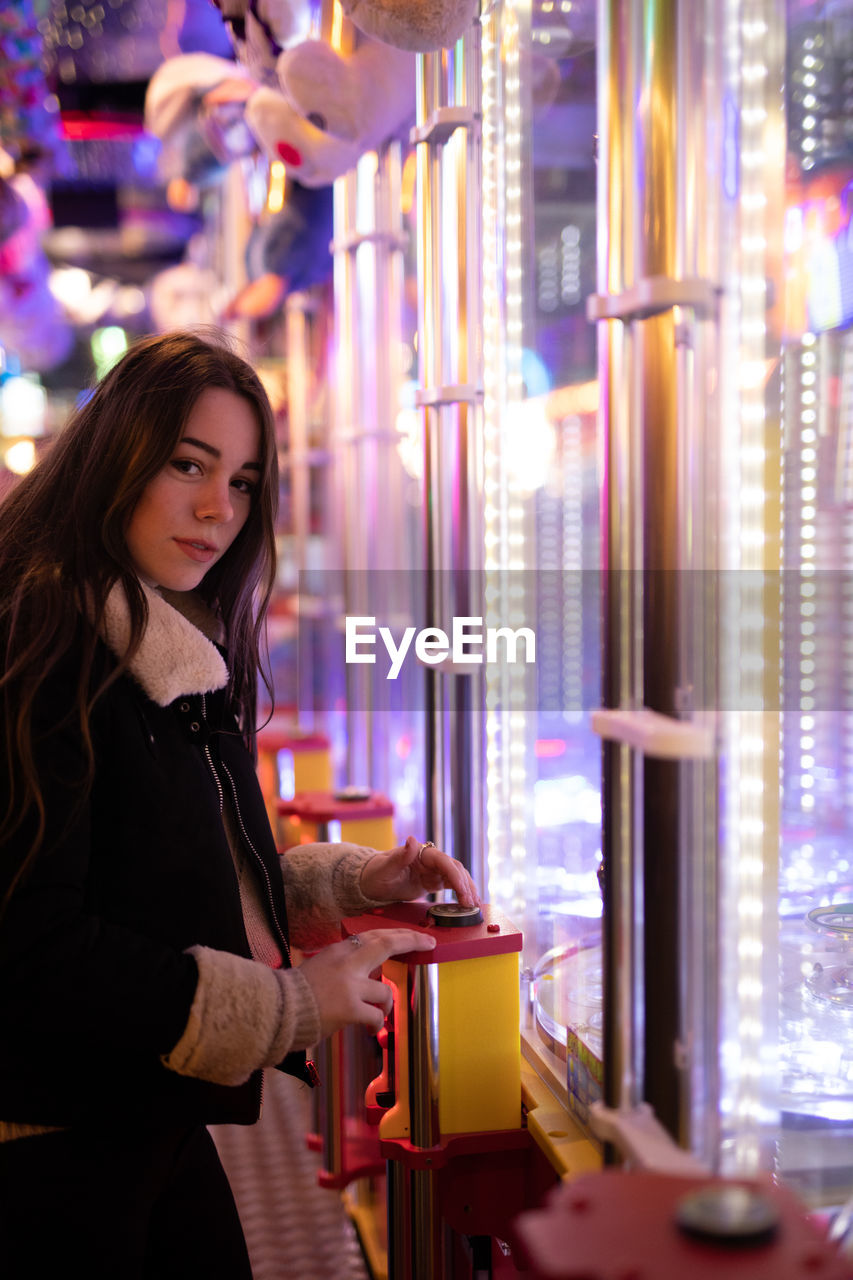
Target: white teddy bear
<point>332,109</point>
<point>261,30</point>
<point>421,26</point>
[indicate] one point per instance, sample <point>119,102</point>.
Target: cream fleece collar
<point>174,658</point>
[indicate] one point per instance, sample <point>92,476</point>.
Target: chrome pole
<point>423,1105</point>
<point>656,374</point>
<point>621,543</point>
<point>447,138</point>
<point>699,184</point>
<point>369,242</point>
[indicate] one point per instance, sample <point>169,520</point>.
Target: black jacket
<point>95,984</point>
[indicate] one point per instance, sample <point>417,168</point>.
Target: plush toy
<point>287,252</point>
<point>417,25</point>
<point>194,105</point>
<point>32,325</point>
<point>261,30</point>
<point>185,296</point>
<point>13,211</point>
<point>331,109</point>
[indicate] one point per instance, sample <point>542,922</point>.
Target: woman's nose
<point>214,503</point>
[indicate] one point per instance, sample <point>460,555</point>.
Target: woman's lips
<point>201,552</point>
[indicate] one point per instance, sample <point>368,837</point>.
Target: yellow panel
<point>555,1130</point>
<point>268,779</point>
<point>479,1062</point>
<point>376,833</point>
<point>293,830</point>
<point>312,771</point>
<point>369,1220</point>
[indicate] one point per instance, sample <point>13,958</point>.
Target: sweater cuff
<point>346,880</point>
<point>300,1026</point>
<point>235,1018</point>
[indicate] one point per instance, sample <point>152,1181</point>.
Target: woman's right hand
<point>339,977</point>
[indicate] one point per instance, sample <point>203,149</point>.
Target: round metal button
<point>728,1213</point>
<point>452,915</point>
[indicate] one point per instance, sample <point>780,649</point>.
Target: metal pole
<point>423,1104</point>
<point>656,389</point>
<point>449,307</point>
<point>620,536</point>
<point>369,244</point>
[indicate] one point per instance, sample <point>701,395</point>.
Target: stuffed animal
<point>261,30</point>
<point>287,252</point>
<point>194,105</point>
<point>32,326</point>
<point>13,211</point>
<point>184,297</point>
<point>295,243</point>
<point>331,109</point>
<point>417,25</point>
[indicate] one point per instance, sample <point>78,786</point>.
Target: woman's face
<point>191,512</point>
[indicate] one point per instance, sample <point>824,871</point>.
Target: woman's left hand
<point>412,869</point>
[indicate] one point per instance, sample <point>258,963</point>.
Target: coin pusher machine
<point>446,1103</point>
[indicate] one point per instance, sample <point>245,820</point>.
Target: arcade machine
<point>631,388</point>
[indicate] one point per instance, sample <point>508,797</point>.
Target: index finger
<point>395,942</point>
<point>454,875</point>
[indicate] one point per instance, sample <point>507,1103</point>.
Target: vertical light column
<point>573,564</point>
<point>844,471</point>
<point>506,556</point>
<point>751,623</point>
<point>803,398</point>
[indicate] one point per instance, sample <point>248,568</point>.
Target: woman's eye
<point>187,466</point>
<point>244,486</point>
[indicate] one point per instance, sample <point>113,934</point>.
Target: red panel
<point>324,806</point>
<point>496,936</point>
<point>616,1225</point>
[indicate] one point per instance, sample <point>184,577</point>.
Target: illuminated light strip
<point>336,33</point>
<point>516,674</point>
<point>496,816</point>
<point>750,746</point>
<point>807,563</point>
<point>275,194</point>
<point>845,471</point>
<point>506,720</point>
<point>572,560</point>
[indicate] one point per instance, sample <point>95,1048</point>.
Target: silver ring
<point>355,939</point>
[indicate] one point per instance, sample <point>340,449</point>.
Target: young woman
<point>145,974</point>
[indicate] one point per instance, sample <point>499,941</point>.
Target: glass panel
<point>542,497</point>
<point>816,857</point>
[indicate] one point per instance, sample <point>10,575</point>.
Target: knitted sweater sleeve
<point>245,1015</point>
<point>322,882</point>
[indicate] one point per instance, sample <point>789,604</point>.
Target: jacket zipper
<point>259,863</point>
<point>310,1065</point>
<point>282,937</point>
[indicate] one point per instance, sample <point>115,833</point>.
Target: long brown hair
<point>63,547</point>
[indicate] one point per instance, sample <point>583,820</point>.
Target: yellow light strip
<point>337,30</point>
<point>275,190</point>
